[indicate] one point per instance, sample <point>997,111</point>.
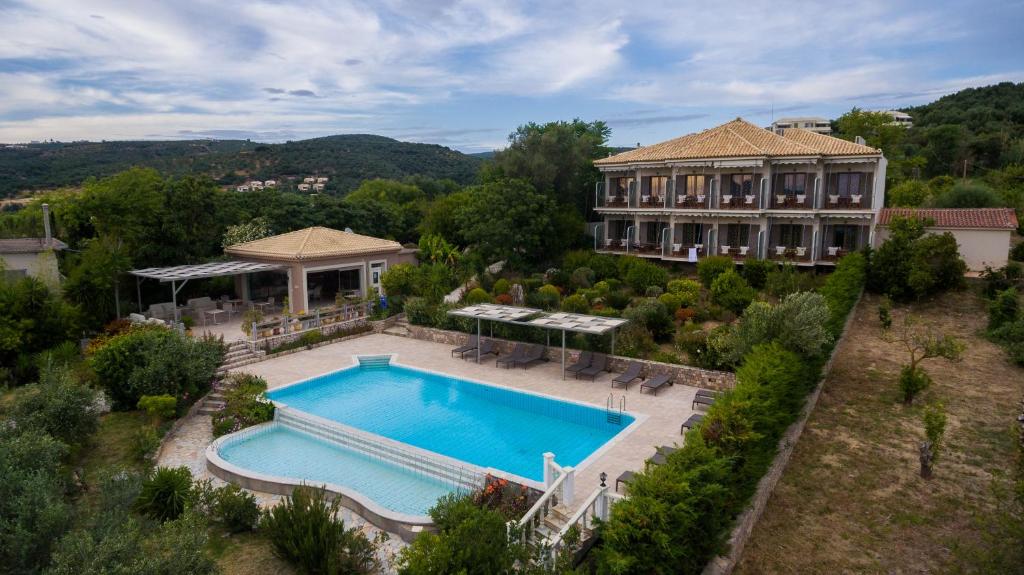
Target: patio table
<point>215,313</point>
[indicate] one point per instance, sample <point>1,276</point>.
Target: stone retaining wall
<point>724,565</point>
<point>684,374</point>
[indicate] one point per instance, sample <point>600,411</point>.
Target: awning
<point>209,270</point>
<point>495,312</point>
<point>593,324</point>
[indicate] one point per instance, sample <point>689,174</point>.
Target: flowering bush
<point>245,405</point>
<point>503,299</point>
<point>510,499</point>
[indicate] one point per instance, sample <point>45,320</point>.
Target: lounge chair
<point>582,362</point>
<point>702,400</point>
<point>509,360</point>
<point>707,392</point>
<point>487,347</point>
<point>653,384</point>
<point>694,419</point>
<point>667,449</point>
<point>626,477</point>
<point>470,345</point>
<point>598,365</point>
<point>631,374</point>
<point>534,353</point>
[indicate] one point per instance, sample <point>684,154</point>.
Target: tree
<point>911,264</point>
<point>908,194</point>
<point>934,419</point>
<point>731,291</point>
<point>436,250</point>
<point>32,319</point>
<point>508,220</point>
<point>254,229</point>
<point>879,131</point>
<point>799,323</point>
<point>920,342</point>
<point>969,195</point>
<point>95,279</point>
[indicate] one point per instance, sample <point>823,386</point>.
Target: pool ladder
<point>611,414</point>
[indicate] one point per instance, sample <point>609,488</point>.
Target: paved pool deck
<point>659,417</point>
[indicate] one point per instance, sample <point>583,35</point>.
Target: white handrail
<point>544,499</point>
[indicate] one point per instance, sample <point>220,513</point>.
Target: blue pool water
<point>284,452</point>
<point>480,424</point>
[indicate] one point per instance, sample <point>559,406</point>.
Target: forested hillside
<point>347,160</point>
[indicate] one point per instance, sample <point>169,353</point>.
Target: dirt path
<point>851,500</point>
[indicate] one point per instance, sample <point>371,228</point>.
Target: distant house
<point>321,180</point>
<point>256,185</point>
<point>270,184</point>
<point>308,180</point>
<point>303,187</point>
<point>810,123</point>
<point>36,257</point>
<point>318,187</point>
<point>243,188</point>
<point>900,118</point>
<point>982,234</point>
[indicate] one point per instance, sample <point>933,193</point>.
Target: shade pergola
<point>183,273</point>
<point>574,322</point>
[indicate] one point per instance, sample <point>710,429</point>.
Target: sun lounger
<point>690,422</point>
<point>626,477</point>
<point>598,365</point>
<point>702,400</point>
<point>470,345</point>
<point>655,383</point>
<point>509,360</point>
<point>707,393</point>
<point>533,354</point>
<point>487,347</point>
<point>667,450</point>
<point>582,362</point>
<point>658,458</point>
<point>631,374</point>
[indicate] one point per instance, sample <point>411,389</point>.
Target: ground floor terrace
<point>809,239</point>
<point>657,417</point>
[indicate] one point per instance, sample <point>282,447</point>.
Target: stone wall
<point>724,565</point>
<point>684,374</point>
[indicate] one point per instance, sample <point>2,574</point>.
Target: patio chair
<point>833,250</point>
<point>780,250</point>
<point>833,199</point>
<point>744,250</point>
<point>583,362</point>
<point>780,199</point>
<point>655,383</point>
<point>855,199</point>
<point>597,365</point>
<point>801,198</point>
<point>725,250</point>
<point>487,347</point>
<point>509,360</point>
<point>470,345</point>
<point>748,200</point>
<point>707,393</point>
<point>631,374</point>
<point>533,354</point>
<point>694,419</point>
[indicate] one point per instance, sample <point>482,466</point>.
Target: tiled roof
<point>29,245</point>
<point>312,244</point>
<point>741,139</point>
<point>983,218</point>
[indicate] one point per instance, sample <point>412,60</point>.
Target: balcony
<point>652,202</point>
<point>833,253</point>
<point>851,202</point>
<point>614,245</point>
<point>738,253</point>
<point>699,202</point>
<point>789,253</point>
<point>647,249</point>
<point>683,250</point>
<point>799,201</point>
<point>614,202</point>
<point>739,202</point>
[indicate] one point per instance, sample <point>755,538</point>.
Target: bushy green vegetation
<point>911,264</point>
<point>1005,313</point>
<point>165,493</point>
<point>245,404</point>
<point>32,319</point>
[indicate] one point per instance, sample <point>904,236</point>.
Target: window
<point>848,184</point>
<point>652,233</point>
<point>695,185</point>
<point>790,235</point>
<point>793,184</point>
<point>845,237</point>
<point>622,187</point>
<point>738,235</point>
<point>692,234</point>
<point>742,185</point>
<point>656,186</point>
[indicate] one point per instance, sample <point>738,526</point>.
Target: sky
<point>465,74</point>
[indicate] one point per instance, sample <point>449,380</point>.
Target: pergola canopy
<point>495,312</point>
<point>208,270</point>
<point>581,323</point>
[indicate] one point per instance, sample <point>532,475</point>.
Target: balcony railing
<point>851,202</point>
<point>683,250</point>
<point>614,245</point>
<point>615,202</point>
<point>791,201</point>
<point>736,252</point>
<point>647,248</point>
<point>699,202</point>
<point>790,253</point>
<point>652,201</point>
<point>833,253</point>
<point>740,202</point>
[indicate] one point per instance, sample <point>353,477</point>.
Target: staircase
<point>214,401</point>
<point>401,328</point>
<point>238,354</point>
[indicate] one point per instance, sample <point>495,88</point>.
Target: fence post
<point>549,469</point>
<point>569,485</point>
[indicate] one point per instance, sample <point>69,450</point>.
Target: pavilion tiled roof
<point>741,139</point>
<point>312,244</point>
<point>977,218</point>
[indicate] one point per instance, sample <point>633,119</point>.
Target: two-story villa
<point>742,191</point>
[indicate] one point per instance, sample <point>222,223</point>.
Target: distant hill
<point>991,109</point>
<point>347,160</point>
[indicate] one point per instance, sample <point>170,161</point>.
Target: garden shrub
<point>144,442</point>
<point>1004,309</point>
<point>548,296</point>
<point>711,267</point>
<point>799,323</point>
<point>671,301</point>
<point>245,405</point>
<point>756,272</point>
<point>643,275</point>
<point>653,316</point>
<point>685,314</point>
<point>617,299</point>
<point>842,288</point>
<point>155,361</point>
<point>165,493</point>
<point>305,531</point>
<point>731,291</point>
<point>57,405</point>
<point>477,296</point>
<point>911,382</point>
<point>582,277</point>
<point>501,286</point>
<point>654,291</point>
<point>688,291</point>
<point>575,304</point>
<point>574,259</point>
<point>1017,252</point>
<point>162,406</point>
<point>504,299</point>
<point>912,264</point>
<point>418,311</point>
<point>236,509</point>
<point>634,341</point>
<point>400,280</point>
<point>665,357</point>
<point>604,266</point>
<point>999,279</point>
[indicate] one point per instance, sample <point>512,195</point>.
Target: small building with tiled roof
<point>982,234</point>
<point>321,263</point>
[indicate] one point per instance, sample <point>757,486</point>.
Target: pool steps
<point>461,475</point>
<point>374,361</point>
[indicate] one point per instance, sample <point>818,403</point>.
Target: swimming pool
<point>481,424</point>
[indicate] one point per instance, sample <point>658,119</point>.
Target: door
<point>377,269</point>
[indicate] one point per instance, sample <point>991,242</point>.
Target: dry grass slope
<point>851,499</point>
